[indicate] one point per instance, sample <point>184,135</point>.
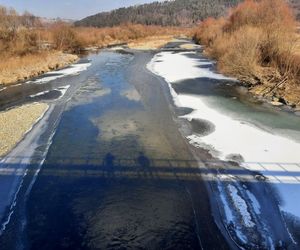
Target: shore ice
<point>13,166</point>
<point>241,205</point>
<point>62,90</point>
<point>259,148</point>
<point>174,67</point>
<point>71,70</point>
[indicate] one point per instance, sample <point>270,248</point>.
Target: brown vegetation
<point>18,68</point>
<point>126,33</point>
<point>297,47</point>
<point>257,43</point>
<point>151,43</point>
<point>28,47</point>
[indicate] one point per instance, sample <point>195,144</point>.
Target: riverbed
<point>113,176</point>
<point>122,158</point>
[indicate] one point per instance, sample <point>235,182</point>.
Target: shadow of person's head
<point>143,160</point>
<point>108,160</point>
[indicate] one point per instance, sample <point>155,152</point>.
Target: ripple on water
<point>138,216</point>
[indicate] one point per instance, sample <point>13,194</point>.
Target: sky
<point>70,9</point>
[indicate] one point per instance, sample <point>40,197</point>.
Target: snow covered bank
<point>232,136</point>
<point>74,69</point>
<point>237,137</point>
<point>174,67</point>
<point>13,167</point>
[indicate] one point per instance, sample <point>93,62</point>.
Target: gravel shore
<point>16,122</point>
<point>150,43</point>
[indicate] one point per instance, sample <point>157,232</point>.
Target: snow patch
<point>74,69</point>
<point>235,137</point>
<point>241,206</point>
<point>40,93</point>
<point>227,210</point>
<point>263,151</point>
<point>63,90</point>
<point>254,202</point>
<point>4,88</point>
<point>174,67</point>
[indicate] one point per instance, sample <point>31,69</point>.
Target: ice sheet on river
<point>181,66</point>
<point>232,136</point>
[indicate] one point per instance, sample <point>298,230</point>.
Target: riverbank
<point>155,187</point>
<point>20,68</point>
<point>15,69</point>
<point>16,122</point>
<point>286,96</point>
<point>256,48</point>
<point>159,178</point>
<point>151,43</point>
<point>216,110</point>
<point>265,84</point>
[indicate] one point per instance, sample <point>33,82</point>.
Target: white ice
<point>241,205</point>
<point>176,67</point>
<point>227,210</point>
<point>275,156</point>
<point>71,70</point>
<point>254,202</point>
<point>62,90</point>
<point>40,93</point>
<point>236,137</point>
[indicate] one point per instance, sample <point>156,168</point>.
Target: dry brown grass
<point>14,69</point>
<point>134,34</point>
<point>28,48</point>
<point>152,42</point>
<point>19,39</point>
<point>256,43</point>
<point>297,46</point>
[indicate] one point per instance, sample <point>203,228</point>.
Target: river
<point>112,168</point>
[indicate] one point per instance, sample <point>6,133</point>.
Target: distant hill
<point>168,13</point>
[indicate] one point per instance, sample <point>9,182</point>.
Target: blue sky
<point>74,9</point>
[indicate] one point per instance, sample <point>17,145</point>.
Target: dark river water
<point>118,174</point>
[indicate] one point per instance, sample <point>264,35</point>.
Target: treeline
<point>22,34</point>
<point>256,43</point>
<point>168,13</point>
<point>27,34</point>
<point>29,46</point>
<point>16,31</point>
<point>102,37</point>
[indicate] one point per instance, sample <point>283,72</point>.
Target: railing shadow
<point>111,166</point>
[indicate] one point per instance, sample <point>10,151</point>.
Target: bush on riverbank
<point>102,37</point>
<point>255,43</point>
<point>65,38</point>
<point>17,34</point>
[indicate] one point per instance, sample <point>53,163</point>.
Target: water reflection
<point>118,176</point>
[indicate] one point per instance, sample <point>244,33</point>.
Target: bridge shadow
<point>144,167</point>
<point>68,179</point>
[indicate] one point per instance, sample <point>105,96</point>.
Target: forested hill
<point>168,13</point>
